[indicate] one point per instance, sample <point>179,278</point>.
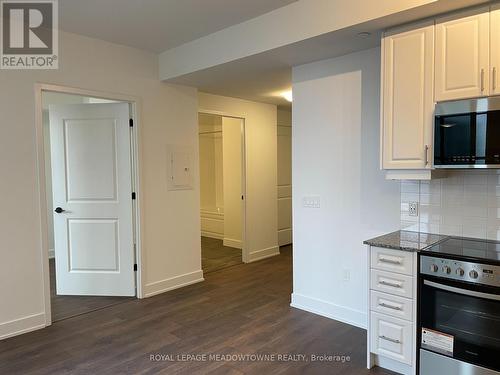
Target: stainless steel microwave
<point>467,133</point>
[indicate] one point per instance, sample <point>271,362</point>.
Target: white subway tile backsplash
<point>410,187</point>
<point>464,203</point>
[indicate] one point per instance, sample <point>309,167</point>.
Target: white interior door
<point>92,184</point>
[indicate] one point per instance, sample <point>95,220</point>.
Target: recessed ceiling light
<point>287,95</point>
<point>364,34</point>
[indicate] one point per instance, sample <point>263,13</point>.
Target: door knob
<point>59,210</point>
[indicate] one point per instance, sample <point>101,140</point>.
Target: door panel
<point>92,183</point>
<point>462,55</point>
<point>408,59</point>
<point>495,49</point>
<point>90,175</point>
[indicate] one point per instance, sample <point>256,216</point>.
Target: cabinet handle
<point>389,339</point>
<point>382,304</point>
<point>394,285</point>
<point>392,261</point>
<point>494,78</point>
<point>482,80</point>
<point>426,151</point>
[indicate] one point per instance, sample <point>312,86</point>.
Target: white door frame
<point>134,103</point>
<point>244,248</point>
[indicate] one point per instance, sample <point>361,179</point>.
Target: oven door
<point>461,321</point>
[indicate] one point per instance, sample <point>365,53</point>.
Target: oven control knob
<point>446,269</point>
<point>473,274</point>
<point>434,268</point>
<point>460,271</point>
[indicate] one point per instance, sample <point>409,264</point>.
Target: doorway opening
<point>89,179</point>
<point>222,190</point>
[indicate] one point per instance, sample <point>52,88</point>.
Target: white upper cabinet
<point>495,50</point>
<point>462,55</point>
<point>407,98</point>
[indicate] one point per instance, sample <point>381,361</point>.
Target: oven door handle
<point>466,292</point>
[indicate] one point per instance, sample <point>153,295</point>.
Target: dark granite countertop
<point>406,241</point>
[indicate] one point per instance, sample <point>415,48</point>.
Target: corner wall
<point>261,170</point>
<point>170,225</point>
<point>335,155</point>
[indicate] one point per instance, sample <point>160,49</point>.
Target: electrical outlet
<point>413,208</point>
<point>346,275</point>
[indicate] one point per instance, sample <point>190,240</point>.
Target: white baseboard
<point>263,254</point>
<point>285,237</point>
<point>330,310</point>
<point>173,283</point>
<point>218,236</point>
<point>229,242</point>
<point>22,325</point>
<point>52,254</point>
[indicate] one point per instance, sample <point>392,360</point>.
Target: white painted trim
<point>285,236</point>
<point>263,253</point>
<point>135,104</point>
<point>327,309</point>
<point>173,283</point>
<point>217,236</point>
<point>52,254</point>
<point>22,325</point>
<point>230,242</point>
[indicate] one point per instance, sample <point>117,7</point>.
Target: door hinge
<point>131,122</point>
<point>133,195</point>
<point>135,267</point>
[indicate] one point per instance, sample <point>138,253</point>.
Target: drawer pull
<point>392,261</point>
<point>394,285</point>
<point>389,339</point>
<point>382,304</point>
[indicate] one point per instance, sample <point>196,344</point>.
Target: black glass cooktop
<point>467,249</point>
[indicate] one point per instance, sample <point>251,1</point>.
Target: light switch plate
<point>312,201</point>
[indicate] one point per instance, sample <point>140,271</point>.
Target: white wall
<point>261,175</point>
<point>464,203</point>
<point>232,156</point>
<point>284,177</point>
<point>335,156</point>
<point>171,224</point>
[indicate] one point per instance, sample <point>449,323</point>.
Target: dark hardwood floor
<point>215,256</point>
<point>64,307</point>
<point>244,309</point>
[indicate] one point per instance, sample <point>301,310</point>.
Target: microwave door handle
<point>465,292</point>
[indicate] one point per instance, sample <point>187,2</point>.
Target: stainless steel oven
<point>467,134</point>
<point>459,316</point>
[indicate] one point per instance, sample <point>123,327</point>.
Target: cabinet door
<point>495,50</point>
<point>407,115</point>
<point>462,56</point>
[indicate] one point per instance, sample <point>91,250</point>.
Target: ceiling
<point>263,77</point>
<point>157,25</point>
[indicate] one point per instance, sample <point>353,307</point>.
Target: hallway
<point>215,256</point>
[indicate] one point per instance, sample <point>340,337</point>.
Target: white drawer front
<point>389,304</point>
<point>392,338</point>
<point>392,283</point>
<point>392,260</point>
